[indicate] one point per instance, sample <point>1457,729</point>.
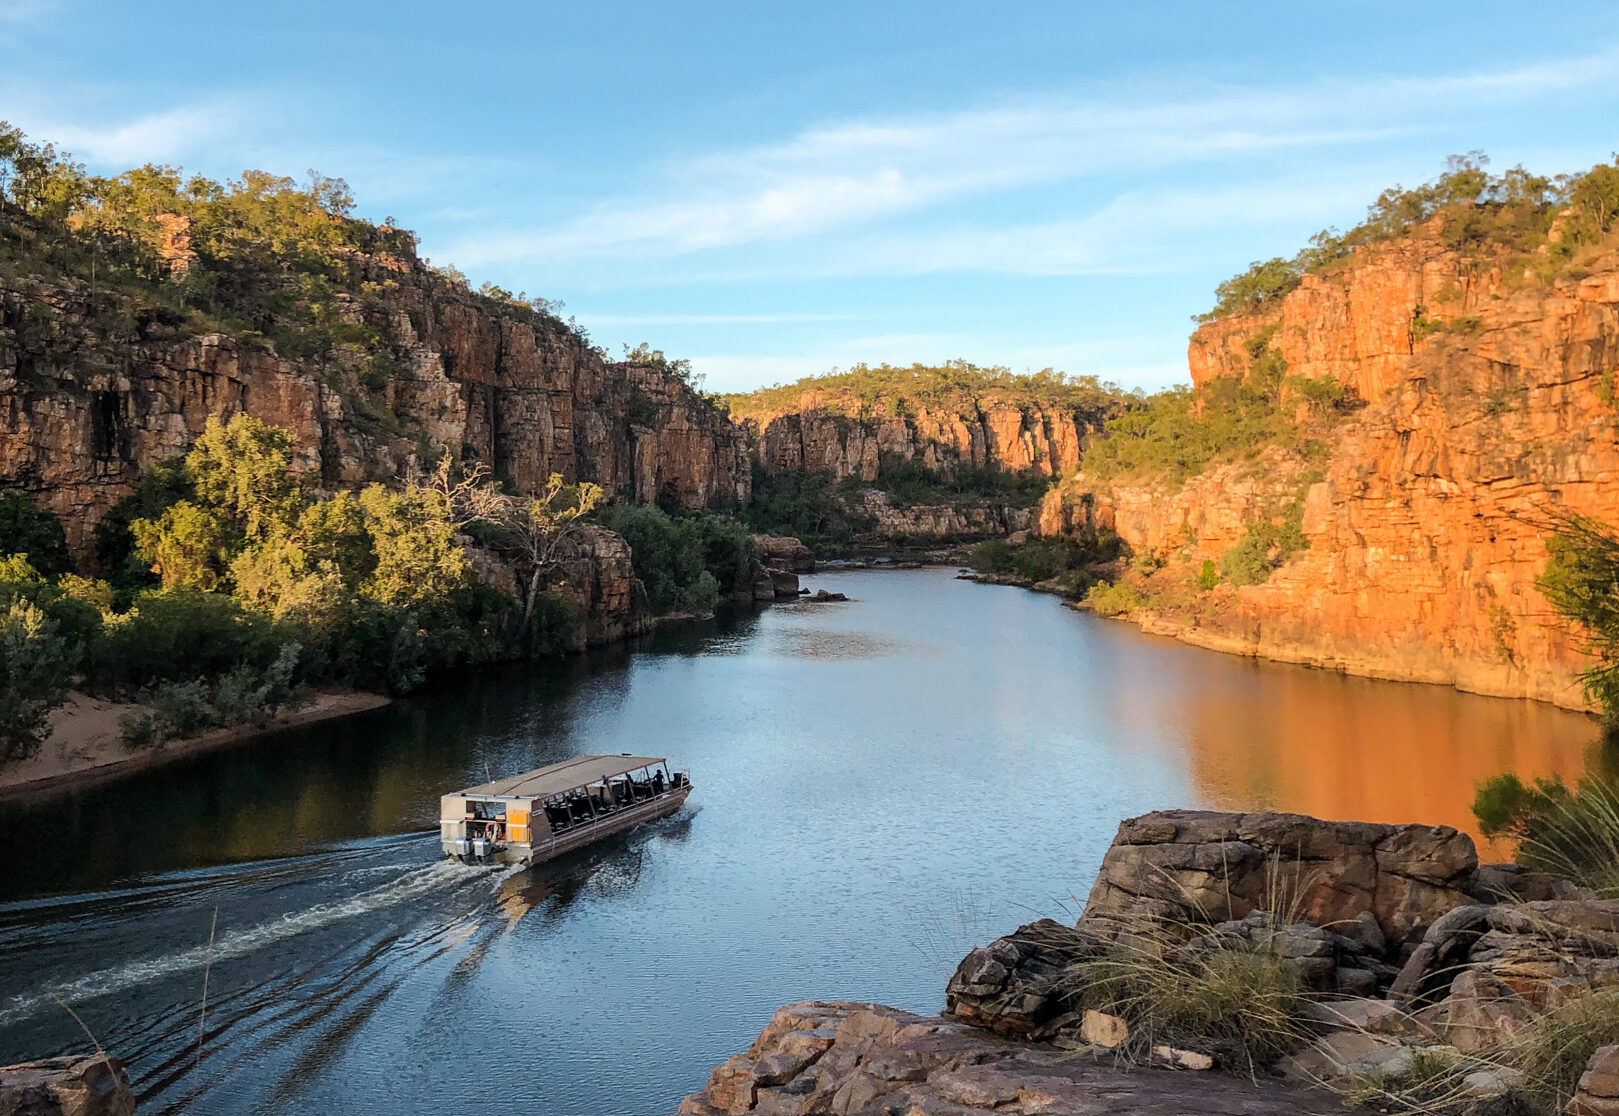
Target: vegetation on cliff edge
<point>1511,214</point>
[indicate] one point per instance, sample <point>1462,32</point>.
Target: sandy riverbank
<point>84,745</point>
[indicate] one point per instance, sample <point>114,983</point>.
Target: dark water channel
<point>879,785</point>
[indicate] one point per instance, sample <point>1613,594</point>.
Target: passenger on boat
<point>657,782</point>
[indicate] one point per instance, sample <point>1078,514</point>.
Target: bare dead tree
<point>537,526</point>
<point>468,493</point>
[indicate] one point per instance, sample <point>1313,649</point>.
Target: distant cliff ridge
<point>869,423</point>
<point>1490,384</point>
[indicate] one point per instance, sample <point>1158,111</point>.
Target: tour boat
<point>527,818</point>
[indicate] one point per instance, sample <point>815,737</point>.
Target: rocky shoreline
<point>1413,967</point>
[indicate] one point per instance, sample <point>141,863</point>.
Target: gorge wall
<point>875,430</point>
<point>93,395</point>
<point>1489,398</point>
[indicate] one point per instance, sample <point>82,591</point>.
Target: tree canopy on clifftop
<point>1513,212</point>
<point>895,389</point>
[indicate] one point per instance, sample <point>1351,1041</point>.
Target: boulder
<point>1598,1093</point>
<point>1013,985</point>
<point>1196,866</point>
<point>81,1085</point>
<point>783,583</point>
<point>1445,944</point>
<point>1484,1012</point>
<point>1513,883</point>
<point>1327,961</point>
<point>764,586</point>
<point>783,552</point>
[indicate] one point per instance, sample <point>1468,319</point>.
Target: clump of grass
<point>1432,1083</point>
<point>1243,1006</point>
<point>1552,1054</point>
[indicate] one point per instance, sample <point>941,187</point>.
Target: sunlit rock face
<point>82,422</point>
<point>824,432</point>
<point>1427,520</point>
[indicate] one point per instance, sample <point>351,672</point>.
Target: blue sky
<point>777,189</point>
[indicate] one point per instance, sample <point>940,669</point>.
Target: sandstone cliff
<point>94,393</point>
<point>1490,408</point>
<point>923,452</point>
<point>868,423</point>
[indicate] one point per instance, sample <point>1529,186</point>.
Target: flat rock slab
<point>885,1062</point>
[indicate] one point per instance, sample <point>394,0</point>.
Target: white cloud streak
<point>852,174</point>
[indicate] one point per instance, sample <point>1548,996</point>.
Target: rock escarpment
<point>94,396</point>
<point>1490,408</point>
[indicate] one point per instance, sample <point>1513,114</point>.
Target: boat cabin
<point>526,818</point>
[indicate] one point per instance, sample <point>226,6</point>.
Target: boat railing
<point>598,816</point>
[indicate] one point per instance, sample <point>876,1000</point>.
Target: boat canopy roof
<point>559,777</point>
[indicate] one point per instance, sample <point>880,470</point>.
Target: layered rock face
<point>825,432</point>
<point>92,401</point>
<point>1490,408</point>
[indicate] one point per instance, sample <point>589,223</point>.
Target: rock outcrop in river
<point>1490,407</point>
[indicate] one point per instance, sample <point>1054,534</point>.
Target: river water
<point>879,785</point>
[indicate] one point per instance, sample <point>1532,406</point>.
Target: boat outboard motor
<point>480,848</point>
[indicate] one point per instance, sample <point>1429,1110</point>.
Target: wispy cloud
<point>166,135</point>
<point>852,174</point>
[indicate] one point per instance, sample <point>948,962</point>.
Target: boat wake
<point>437,877</point>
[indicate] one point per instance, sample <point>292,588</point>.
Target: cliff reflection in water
<point>1273,736</point>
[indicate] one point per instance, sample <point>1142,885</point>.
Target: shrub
<point>35,667</point>
<point>35,532</point>
<point>669,556</point>
<point>1208,577</point>
<point>140,730</point>
<point>552,625</point>
<point>181,707</point>
<point>1574,833</point>
<point>179,634</point>
<point>1113,598</point>
<point>1264,282</point>
<point>249,695</point>
<point>808,506</point>
<point>992,556</point>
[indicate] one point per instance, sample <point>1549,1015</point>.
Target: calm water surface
<point>879,785</point>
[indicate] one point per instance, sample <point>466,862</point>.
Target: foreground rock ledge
<point>853,1059</point>
<point>89,1085</point>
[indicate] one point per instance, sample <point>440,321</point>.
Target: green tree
<point>243,469</point>
<point>1581,581</point>
<point>417,560</point>
<point>187,546</point>
<point>35,668</point>
<point>26,528</point>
